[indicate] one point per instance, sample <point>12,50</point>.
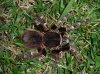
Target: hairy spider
<point>44,38</point>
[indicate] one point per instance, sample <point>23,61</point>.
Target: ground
<point>82,17</point>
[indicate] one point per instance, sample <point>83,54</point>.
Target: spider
<point>44,38</point>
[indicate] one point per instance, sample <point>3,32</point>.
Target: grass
<point>84,15</point>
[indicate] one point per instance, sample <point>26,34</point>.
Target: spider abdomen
<point>32,39</point>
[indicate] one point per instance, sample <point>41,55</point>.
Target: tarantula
<point>43,38</point>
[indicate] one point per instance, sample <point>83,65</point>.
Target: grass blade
<point>67,8</point>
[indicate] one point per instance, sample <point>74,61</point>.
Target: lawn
<point>81,19</point>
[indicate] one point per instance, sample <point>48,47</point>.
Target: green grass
<point>85,38</point>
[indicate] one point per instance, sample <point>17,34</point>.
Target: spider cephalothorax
<point>52,39</point>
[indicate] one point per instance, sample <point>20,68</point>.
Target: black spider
<point>42,37</point>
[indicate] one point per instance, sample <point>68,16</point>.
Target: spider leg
<point>73,51</point>
<point>27,55</point>
<point>53,27</point>
<point>63,48</point>
<point>68,47</point>
<point>42,51</point>
<point>41,27</point>
<point>62,30</point>
<point>31,54</point>
<point>40,24</point>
